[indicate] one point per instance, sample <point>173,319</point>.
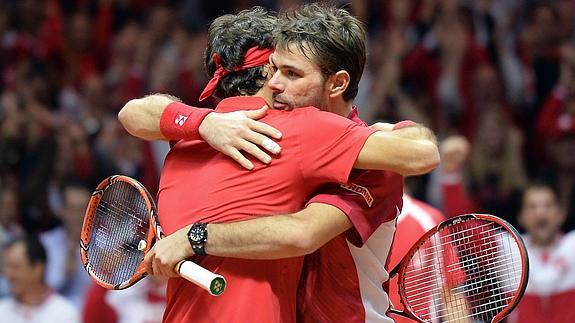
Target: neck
<point>341,108</point>
<point>266,95</point>
<point>34,295</point>
<point>544,243</point>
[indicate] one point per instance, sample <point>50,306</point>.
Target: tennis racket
<point>471,268</point>
<point>120,227</point>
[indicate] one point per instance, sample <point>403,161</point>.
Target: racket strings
<point>120,223</point>
<point>466,272</point>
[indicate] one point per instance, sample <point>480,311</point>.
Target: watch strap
<point>198,246</point>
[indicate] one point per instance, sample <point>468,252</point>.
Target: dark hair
<point>334,39</point>
<point>74,182</point>
<point>537,5</point>
<point>230,36</point>
<point>35,251</point>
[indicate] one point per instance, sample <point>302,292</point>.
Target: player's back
<point>199,184</point>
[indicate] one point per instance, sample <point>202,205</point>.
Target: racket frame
<point>89,219</point>
<point>401,267</point>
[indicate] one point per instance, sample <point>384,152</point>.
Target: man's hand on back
<point>231,132</point>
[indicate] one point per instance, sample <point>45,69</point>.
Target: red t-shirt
<point>341,282</point>
<point>201,184</point>
<point>414,221</point>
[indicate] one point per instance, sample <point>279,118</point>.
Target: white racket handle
<point>213,283</point>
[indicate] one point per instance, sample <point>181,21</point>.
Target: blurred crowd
<point>494,79</point>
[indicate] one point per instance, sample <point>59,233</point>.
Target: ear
<point>338,83</point>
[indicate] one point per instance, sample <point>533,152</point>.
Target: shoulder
<point>312,112</point>
<point>9,310</point>
<point>5,304</point>
<point>62,305</point>
<point>421,210</point>
<point>53,236</point>
<point>569,238</point>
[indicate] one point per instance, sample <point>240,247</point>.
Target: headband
<point>255,56</point>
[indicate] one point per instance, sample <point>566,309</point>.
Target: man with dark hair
<point>64,270</point>
<point>551,286</point>
<point>271,284</point>
<point>331,38</point>
<point>24,263</point>
<point>230,132</point>
<point>233,43</point>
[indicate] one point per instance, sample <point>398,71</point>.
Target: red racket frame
<point>89,218</point>
<point>402,266</point>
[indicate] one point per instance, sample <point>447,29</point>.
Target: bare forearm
<point>141,117</point>
<point>272,237</point>
<point>278,236</point>
<point>407,151</point>
<point>416,132</point>
<point>262,238</point>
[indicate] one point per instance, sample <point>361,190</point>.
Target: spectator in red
<point>415,220</point>
<point>494,177</point>
<point>444,64</point>
<point>539,51</point>
<point>556,132</point>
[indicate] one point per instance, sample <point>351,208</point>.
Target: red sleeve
<point>454,275</point>
<point>329,145</point>
<point>456,199</point>
<point>373,198</point>
<point>96,310</point>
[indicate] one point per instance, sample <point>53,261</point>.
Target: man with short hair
<point>24,265</point>
<point>259,240</point>
<point>64,270</point>
<point>550,290</point>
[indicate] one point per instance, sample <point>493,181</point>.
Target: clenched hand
<point>167,253</point>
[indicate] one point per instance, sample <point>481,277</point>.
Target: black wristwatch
<point>197,236</point>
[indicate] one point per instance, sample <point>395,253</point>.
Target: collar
<point>354,115</point>
<point>236,103</point>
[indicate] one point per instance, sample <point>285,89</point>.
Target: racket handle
<point>213,283</point>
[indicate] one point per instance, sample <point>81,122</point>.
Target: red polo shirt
<point>341,281</point>
<point>200,184</point>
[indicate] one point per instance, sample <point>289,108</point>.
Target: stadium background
<point>494,79</point>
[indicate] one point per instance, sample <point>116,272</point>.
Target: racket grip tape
<point>213,283</point>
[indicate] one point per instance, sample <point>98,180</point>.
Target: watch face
<point>197,234</point>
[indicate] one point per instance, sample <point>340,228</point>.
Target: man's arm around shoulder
<point>407,151</point>
<point>270,237</point>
